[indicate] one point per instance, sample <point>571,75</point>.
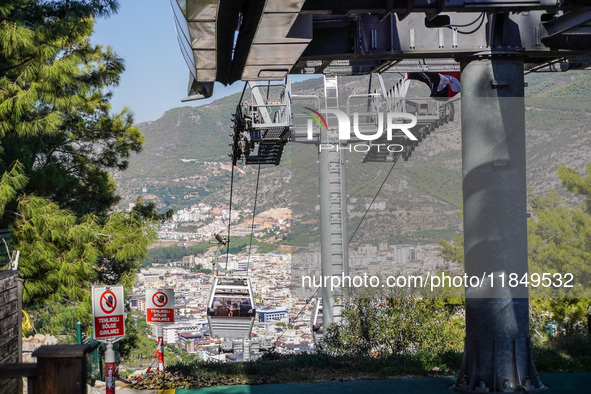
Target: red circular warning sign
<point>159,299</point>
<point>108,301</point>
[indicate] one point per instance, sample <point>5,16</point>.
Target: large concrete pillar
<point>497,354</point>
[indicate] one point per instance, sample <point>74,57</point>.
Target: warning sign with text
<point>108,313</point>
<point>160,316</point>
<point>160,306</point>
<point>105,327</point>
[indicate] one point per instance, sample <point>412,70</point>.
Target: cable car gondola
<point>230,308</point>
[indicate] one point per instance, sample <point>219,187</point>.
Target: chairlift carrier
<point>262,124</point>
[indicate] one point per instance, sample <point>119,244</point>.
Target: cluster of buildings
<point>278,296</point>
<point>208,220</point>
<point>380,261</point>
<point>270,275</point>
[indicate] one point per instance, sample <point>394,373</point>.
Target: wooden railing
<point>59,369</point>
<point>10,324</point>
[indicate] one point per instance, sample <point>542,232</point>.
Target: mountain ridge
<point>182,162</point>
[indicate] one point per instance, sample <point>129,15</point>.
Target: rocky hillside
<point>185,161</point>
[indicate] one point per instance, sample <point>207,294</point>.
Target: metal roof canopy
<point>256,40</point>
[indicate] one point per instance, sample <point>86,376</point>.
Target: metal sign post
<point>108,321</point>
<point>160,312</point>
<point>110,369</point>
<point>160,334</point>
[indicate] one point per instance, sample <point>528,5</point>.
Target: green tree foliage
<point>58,251</point>
<point>239,245</point>
<point>578,184</point>
<point>43,45</point>
<point>176,253</point>
<point>453,252</point>
<point>137,353</point>
<point>559,242</point>
<point>54,110</point>
<point>439,182</point>
<point>199,268</point>
<point>11,182</point>
<point>148,211</point>
<point>57,131</point>
<point>385,323</point>
<point>63,255</point>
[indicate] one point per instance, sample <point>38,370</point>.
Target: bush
<point>384,323</point>
<point>305,367</point>
<point>564,354</point>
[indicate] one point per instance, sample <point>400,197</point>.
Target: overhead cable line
<point>232,189</point>
<point>467,24</point>
<point>374,199</point>
<point>254,210</point>
<point>482,18</point>
<point>548,64</point>
<point>230,216</point>
<point>299,313</point>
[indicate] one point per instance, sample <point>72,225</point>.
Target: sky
<point>156,76</point>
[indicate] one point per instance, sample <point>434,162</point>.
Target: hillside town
<point>210,220</point>
<point>284,307</point>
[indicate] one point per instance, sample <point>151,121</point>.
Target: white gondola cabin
<point>230,309</point>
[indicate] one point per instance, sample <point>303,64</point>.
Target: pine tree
<point>64,255</point>
<point>54,111</point>
<point>58,133</point>
<point>41,48</point>
<point>11,182</point>
<point>559,242</point>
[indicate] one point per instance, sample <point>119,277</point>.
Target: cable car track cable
<point>230,216</point>
<point>298,315</point>
<point>372,201</point>
<point>232,189</point>
<point>466,24</point>
<point>254,210</point>
<point>476,28</point>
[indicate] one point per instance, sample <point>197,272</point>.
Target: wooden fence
<point>10,326</point>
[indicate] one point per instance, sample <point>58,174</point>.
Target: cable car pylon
<point>265,119</point>
<point>367,108</point>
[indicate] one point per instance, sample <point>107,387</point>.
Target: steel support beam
<point>334,258</point>
<point>497,353</point>
<point>565,22</point>
<point>404,7</point>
